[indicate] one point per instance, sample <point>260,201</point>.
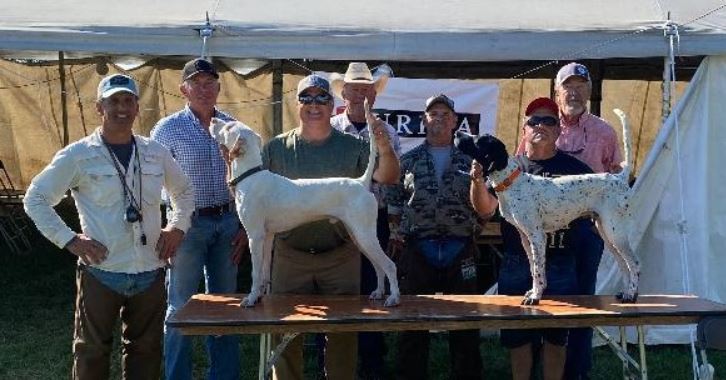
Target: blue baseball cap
<point>116,83</point>
<point>572,69</point>
<point>313,80</point>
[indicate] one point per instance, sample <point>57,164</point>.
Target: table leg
<point>269,357</point>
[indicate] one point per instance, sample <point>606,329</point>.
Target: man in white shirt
<point>354,87</point>
<point>115,178</point>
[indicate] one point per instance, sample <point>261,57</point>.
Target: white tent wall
<point>667,265</point>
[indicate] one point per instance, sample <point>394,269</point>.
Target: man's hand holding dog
<point>169,240</point>
<point>381,137</point>
<point>483,202</point>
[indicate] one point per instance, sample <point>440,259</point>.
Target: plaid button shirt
<point>197,153</point>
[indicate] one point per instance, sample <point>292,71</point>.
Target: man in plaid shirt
<point>213,244</point>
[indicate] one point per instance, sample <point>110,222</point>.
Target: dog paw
<point>249,301</point>
<point>530,298</point>
<point>627,298</point>
<point>530,301</point>
<point>392,300</point>
<point>376,295</point>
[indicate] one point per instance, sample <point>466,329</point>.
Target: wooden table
<point>207,314</point>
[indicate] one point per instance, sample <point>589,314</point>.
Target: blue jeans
<point>587,261</point>
<point>206,250</point>
<point>126,284</point>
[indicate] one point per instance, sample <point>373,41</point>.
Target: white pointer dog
<point>268,203</point>
<point>536,205</point>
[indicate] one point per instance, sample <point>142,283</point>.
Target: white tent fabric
<point>657,203</point>
<point>426,30</point>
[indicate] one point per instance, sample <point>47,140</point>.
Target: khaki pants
<point>142,317</point>
<point>333,272</point>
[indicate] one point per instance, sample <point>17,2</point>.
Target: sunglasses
<point>321,99</point>
<point>547,121</point>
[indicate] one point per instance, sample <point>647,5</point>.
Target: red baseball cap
<point>546,103</point>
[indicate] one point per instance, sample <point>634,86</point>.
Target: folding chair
<point>710,334</point>
<point>15,226</point>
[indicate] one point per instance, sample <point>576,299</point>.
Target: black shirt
<point>558,242</point>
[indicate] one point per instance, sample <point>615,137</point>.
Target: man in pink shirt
<point>585,136</point>
<point>593,141</point>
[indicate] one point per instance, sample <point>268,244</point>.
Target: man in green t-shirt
<point>319,257</point>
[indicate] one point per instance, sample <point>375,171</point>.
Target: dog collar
<point>244,175</point>
<point>507,181</point>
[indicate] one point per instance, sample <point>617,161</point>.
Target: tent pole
<point>666,87</point>
<point>596,75</point>
<point>277,75</point>
<point>64,110</point>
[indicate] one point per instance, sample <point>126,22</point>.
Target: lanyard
<point>133,212</point>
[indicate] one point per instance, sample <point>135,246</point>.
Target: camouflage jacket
<point>427,210</point>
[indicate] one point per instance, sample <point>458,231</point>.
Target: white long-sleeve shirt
<point>86,168</point>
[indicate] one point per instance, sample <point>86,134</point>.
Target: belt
<point>214,210</point>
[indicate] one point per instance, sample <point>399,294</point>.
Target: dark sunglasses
<point>317,99</point>
<point>547,121</point>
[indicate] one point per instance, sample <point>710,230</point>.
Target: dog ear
<point>215,127</point>
<point>464,142</point>
<point>501,157</point>
<point>231,135</point>
<point>239,148</point>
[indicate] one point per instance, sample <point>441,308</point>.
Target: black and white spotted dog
<point>536,205</point>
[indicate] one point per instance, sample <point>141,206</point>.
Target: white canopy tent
<point>427,30</point>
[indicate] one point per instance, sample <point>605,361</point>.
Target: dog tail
<point>367,178</point>
<point>625,173</point>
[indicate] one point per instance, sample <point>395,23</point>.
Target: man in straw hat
<point>354,87</point>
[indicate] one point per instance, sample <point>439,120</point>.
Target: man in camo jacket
<point>435,225</point>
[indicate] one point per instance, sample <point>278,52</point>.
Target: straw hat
<point>358,72</point>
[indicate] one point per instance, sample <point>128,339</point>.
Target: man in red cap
<point>541,157</point>
<point>593,141</point>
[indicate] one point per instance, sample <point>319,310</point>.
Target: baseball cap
<point>440,98</point>
<point>197,66</point>
<point>313,80</point>
<point>538,103</point>
<point>116,83</point>
<point>572,69</point>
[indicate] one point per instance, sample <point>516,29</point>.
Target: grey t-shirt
<point>442,159</point>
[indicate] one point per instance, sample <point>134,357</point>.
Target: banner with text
<point>401,104</point>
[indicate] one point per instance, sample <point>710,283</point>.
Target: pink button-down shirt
<point>593,141</point>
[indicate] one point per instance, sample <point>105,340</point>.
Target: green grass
<point>36,326</point>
